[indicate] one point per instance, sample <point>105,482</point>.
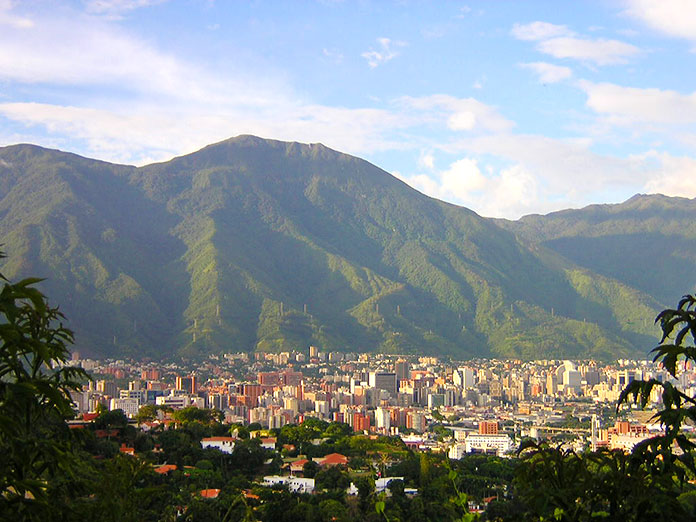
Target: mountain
<point>253,244</point>
<point>647,242</point>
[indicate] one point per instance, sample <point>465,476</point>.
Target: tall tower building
<point>383,381</point>
<point>402,368</point>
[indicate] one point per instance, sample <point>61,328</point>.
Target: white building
<point>457,451</point>
<point>382,418</point>
<point>322,408</point>
<point>381,484</point>
<point>138,395</point>
<point>224,444</point>
<point>129,406</point>
<point>294,484</point>
<point>568,377</point>
<point>176,402</point>
<point>463,377</point>
<point>499,444</point>
<point>627,441</point>
<point>80,401</point>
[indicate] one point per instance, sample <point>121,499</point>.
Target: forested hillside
<point>253,244</point>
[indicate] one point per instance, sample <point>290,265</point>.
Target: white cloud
<point>426,160</point>
<point>142,134</point>
<point>544,174</point>
<point>462,120</point>
<point>676,176</point>
<point>539,31</point>
<point>560,164</point>
<point>464,10</point>
<point>598,52</point>
<point>10,19</point>
<point>675,18</point>
<point>461,114</point>
<point>531,173</point>
<point>547,72</point>
<point>560,42</point>
<point>82,50</point>
<point>388,50</point>
<point>511,193</point>
<point>462,178</point>
<point>629,105</point>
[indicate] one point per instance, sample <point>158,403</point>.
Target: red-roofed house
<point>209,493</point>
<point>333,459</point>
<point>268,443</point>
<point>248,494</point>
<point>298,466</point>
<point>126,450</point>
<point>165,468</point>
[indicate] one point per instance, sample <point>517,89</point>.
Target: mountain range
<point>253,244</point>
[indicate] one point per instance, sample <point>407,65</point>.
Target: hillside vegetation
<point>253,244</point>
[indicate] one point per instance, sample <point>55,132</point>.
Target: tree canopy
<point>35,400</point>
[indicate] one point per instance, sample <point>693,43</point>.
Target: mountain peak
<point>262,244</point>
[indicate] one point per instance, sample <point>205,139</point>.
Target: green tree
<point>248,456</point>
<point>194,414</point>
<point>310,469</point>
<point>564,485</point>
<point>111,419</point>
<point>332,510</point>
<point>676,347</point>
<point>146,413</point>
<point>35,386</point>
<point>122,490</point>
<point>332,477</point>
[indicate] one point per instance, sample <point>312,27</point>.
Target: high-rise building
<point>415,420</point>
<point>188,384</point>
<point>292,378</point>
<point>151,374</point>
<point>383,418</point>
<point>463,377</point>
<point>107,388</point>
<point>383,381</point>
<point>361,422</point>
<point>488,428</point>
<point>269,378</point>
<point>402,368</point>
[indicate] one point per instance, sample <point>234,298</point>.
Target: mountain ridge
<point>257,244</point>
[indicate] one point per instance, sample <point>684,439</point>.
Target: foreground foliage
<point>651,483</point>
<point>36,448</point>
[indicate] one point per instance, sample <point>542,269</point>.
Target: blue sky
<point>506,107</point>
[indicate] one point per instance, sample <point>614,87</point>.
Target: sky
<point>505,107</point>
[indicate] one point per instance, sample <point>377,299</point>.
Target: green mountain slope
<point>253,244</point>
<point>647,242</point>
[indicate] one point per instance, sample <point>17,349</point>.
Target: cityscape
<point>485,406</point>
<point>340,261</point>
